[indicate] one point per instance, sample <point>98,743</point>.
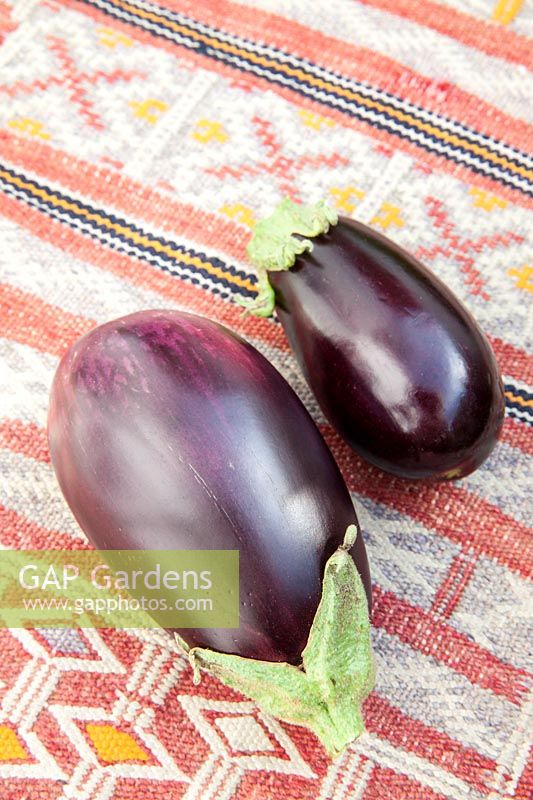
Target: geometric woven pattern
<point>139,142</point>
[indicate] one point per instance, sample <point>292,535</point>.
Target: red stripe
<point>29,320</point>
<point>139,274</point>
<point>424,159</point>
<point>366,66</point>
<point>456,567</point>
<point>444,507</point>
<point>233,238</point>
<point>389,723</point>
<point>431,636</point>
<point>477,33</point>
<point>21,533</point>
<point>104,185</point>
<point>468,569</point>
<point>514,362</point>
<point>25,438</point>
<point>385,784</point>
<point>7,23</point>
<point>358,63</point>
<point>518,434</point>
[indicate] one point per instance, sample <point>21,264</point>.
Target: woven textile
<point>139,142</point>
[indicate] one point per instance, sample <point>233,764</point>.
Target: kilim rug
<point>139,142</point>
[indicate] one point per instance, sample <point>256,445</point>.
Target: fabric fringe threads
<point>139,144</point>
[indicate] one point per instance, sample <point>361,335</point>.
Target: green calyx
<point>326,693</point>
<point>274,245</point>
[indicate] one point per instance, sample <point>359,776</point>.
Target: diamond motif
<point>10,746</point>
<point>278,753</point>
<point>102,746</point>
<point>65,641</point>
<point>114,746</point>
<point>85,650</point>
<point>244,734</point>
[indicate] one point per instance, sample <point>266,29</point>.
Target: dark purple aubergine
<point>397,364</point>
<point>168,431</point>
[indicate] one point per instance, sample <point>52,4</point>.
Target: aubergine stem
<point>324,694</point>
<point>276,243</point>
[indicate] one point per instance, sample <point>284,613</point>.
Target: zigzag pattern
<point>431,132</point>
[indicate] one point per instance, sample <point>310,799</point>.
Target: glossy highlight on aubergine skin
<point>396,362</point>
<point>168,431</point>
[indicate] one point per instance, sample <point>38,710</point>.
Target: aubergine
<point>167,431</point>
<point>397,364</point>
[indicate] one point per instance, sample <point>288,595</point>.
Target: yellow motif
<point>115,746</point>
<point>10,746</point>
<point>150,109</point>
<point>315,121</point>
<point>240,213</point>
<point>524,277</point>
<point>506,10</point>
<point>388,215</point>
<point>206,130</point>
<point>379,105</point>
<point>485,200</point>
<point>29,126</point>
<point>344,196</point>
<point>111,38</point>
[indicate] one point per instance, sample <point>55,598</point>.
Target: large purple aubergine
<point>397,364</point>
<point>168,431</point>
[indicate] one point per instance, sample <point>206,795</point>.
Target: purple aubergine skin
<point>397,364</point>
<point>168,431</point>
